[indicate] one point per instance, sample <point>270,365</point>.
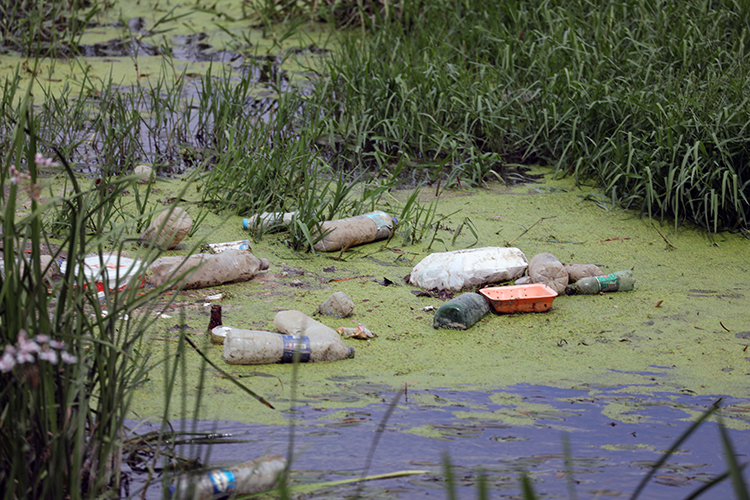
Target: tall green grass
<point>648,100</point>
<point>71,357</point>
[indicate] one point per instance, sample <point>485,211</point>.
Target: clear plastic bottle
<point>299,333</point>
<point>254,476</point>
<point>353,231</point>
<point>461,312</point>
<point>267,219</point>
<point>212,269</point>
<point>621,281</point>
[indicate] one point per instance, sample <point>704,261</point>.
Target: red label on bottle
<point>608,283</point>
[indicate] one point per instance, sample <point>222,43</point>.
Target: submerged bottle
<point>621,281</point>
<point>461,312</point>
<point>353,231</point>
<point>246,478</point>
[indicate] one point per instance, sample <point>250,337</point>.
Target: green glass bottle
<point>461,312</point>
<point>621,281</point>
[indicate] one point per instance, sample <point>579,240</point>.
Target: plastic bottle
<point>314,341</point>
<point>578,271</point>
<point>546,268</point>
<point>468,268</point>
<point>461,312</point>
<point>215,319</point>
<point>267,219</point>
<point>621,281</point>
<point>246,478</point>
<point>353,231</point>
<point>325,342</point>
<point>212,269</point>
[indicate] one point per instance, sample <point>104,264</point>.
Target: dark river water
<point>609,457</point>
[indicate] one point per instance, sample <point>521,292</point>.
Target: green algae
<point>669,335</point>
<point>220,31</point>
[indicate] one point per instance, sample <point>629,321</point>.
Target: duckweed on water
<point>667,336</point>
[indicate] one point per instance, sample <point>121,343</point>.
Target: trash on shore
<point>353,231</point>
<point>215,319</point>
<point>359,332</point>
<point>146,172</point>
<point>204,270</point>
<point>578,271</point>
<point>227,245</point>
<point>169,228</point>
<point>473,267</point>
<point>110,270</point>
<point>547,269</point>
<point>621,281</point>
<point>338,305</point>
<point>254,476</point>
<point>534,297</point>
<point>461,312</point>
<point>268,219</point>
<point>301,338</point>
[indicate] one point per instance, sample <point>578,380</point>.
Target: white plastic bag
<point>468,268</point>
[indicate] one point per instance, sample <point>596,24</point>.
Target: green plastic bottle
<point>461,312</point>
<point>621,281</point>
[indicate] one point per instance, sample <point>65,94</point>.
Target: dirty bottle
<point>468,268</point>
<point>353,231</point>
<point>267,219</point>
<point>461,312</point>
<point>314,342</point>
<point>325,342</point>
<point>546,268</point>
<point>254,476</point>
<point>621,281</point>
<point>204,270</point>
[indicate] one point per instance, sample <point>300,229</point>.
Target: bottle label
<point>222,480</point>
<point>293,344</point>
<point>608,283</point>
<point>383,223</point>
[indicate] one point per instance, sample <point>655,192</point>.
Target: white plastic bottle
<point>246,478</point>
<point>353,231</point>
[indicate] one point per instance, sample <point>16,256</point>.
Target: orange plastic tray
<point>535,297</point>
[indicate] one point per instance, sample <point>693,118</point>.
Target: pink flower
<point>40,159</point>
<point>49,355</point>
<point>68,358</point>
<point>57,344</point>
<point>27,346</point>
<point>24,357</point>
<point>7,362</point>
<point>41,338</point>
